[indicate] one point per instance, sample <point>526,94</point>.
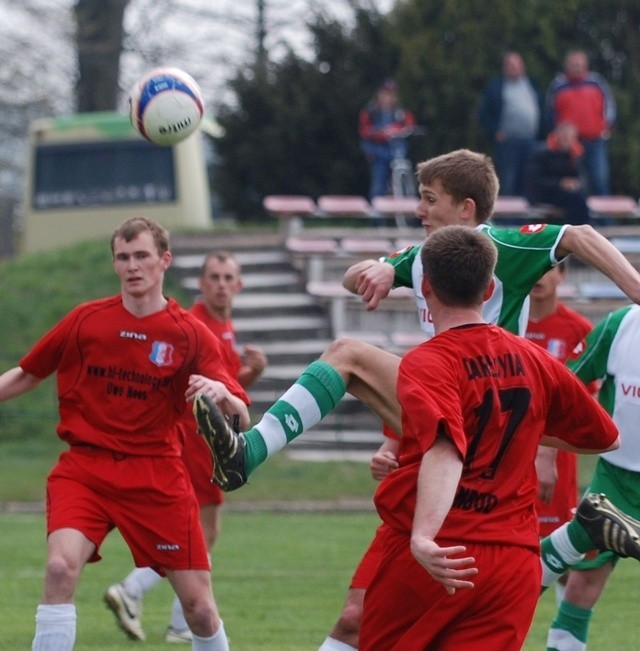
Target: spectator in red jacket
<point>585,99</point>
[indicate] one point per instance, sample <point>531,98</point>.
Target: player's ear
<point>166,260</point>
<point>490,289</point>
<point>426,287</point>
<point>468,212</point>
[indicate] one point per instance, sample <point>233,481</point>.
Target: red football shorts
<point>150,500</point>
<point>368,565</point>
<point>404,608</point>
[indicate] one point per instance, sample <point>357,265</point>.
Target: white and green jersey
<point>612,353</point>
<point>524,255</point>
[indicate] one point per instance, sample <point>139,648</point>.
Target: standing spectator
<point>125,366</point>
<point>383,126</point>
<point>511,112</point>
<point>554,175</point>
<point>611,353</point>
<point>220,281</point>
<point>585,99</point>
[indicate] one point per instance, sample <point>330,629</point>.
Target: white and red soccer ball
<point>165,106</point>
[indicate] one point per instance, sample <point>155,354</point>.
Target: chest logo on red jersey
<point>578,350</point>
<point>532,228</point>
<point>161,353</point>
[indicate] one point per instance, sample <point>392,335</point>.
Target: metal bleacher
<point>324,237</point>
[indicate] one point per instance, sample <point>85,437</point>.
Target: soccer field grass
<point>279,578</point>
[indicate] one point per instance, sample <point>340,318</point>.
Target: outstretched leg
<point>348,365</point>
<point>598,524</point>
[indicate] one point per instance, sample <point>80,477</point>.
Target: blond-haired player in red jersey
<point>125,367</point>
<point>220,280</point>
<point>558,329</point>
<point>460,506</point>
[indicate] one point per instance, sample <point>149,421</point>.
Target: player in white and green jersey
<point>610,353</point>
<point>524,255</point>
<point>458,188</point>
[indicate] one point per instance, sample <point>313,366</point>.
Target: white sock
<point>560,591</point>
<point>217,642</point>
<point>331,644</point>
<point>561,541</point>
<point>560,640</point>
<point>140,580</point>
<point>55,627</point>
<point>178,622</point>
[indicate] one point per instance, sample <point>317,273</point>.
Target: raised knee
<point>341,352</point>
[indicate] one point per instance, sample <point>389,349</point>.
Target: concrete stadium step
<point>286,281</point>
<point>322,440</point>
<point>263,301</point>
<point>260,323</point>
<point>275,312</point>
<point>247,259</point>
<point>299,351</point>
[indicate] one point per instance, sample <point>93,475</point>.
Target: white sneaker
<point>178,636</point>
<point>127,611</point>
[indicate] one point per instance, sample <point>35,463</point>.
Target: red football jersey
<point>122,379</point>
<point>225,331</point>
<point>196,454</point>
<point>494,394</point>
<point>559,333</point>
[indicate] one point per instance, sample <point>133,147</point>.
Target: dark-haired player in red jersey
<point>219,282</point>
<point>461,503</point>
<point>125,367</point>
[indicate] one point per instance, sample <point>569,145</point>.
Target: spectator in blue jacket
<point>585,98</point>
<point>383,126</point>
<point>511,112</point>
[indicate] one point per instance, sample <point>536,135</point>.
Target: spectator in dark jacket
<point>554,175</point>
<point>510,112</point>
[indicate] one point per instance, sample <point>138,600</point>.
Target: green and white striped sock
<point>565,547</point>
<point>315,393</point>
<point>569,629</point>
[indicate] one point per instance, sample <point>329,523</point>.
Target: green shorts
<point>622,487</point>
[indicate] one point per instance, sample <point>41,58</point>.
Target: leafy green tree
<point>293,128</point>
<point>449,49</point>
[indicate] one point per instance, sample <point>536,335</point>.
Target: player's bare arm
<point>547,472</point>
<point>438,480</point>
<point>15,382</point>
<point>596,250</point>
<point>218,392</point>
<point>559,444</point>
<point>371,279</point>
